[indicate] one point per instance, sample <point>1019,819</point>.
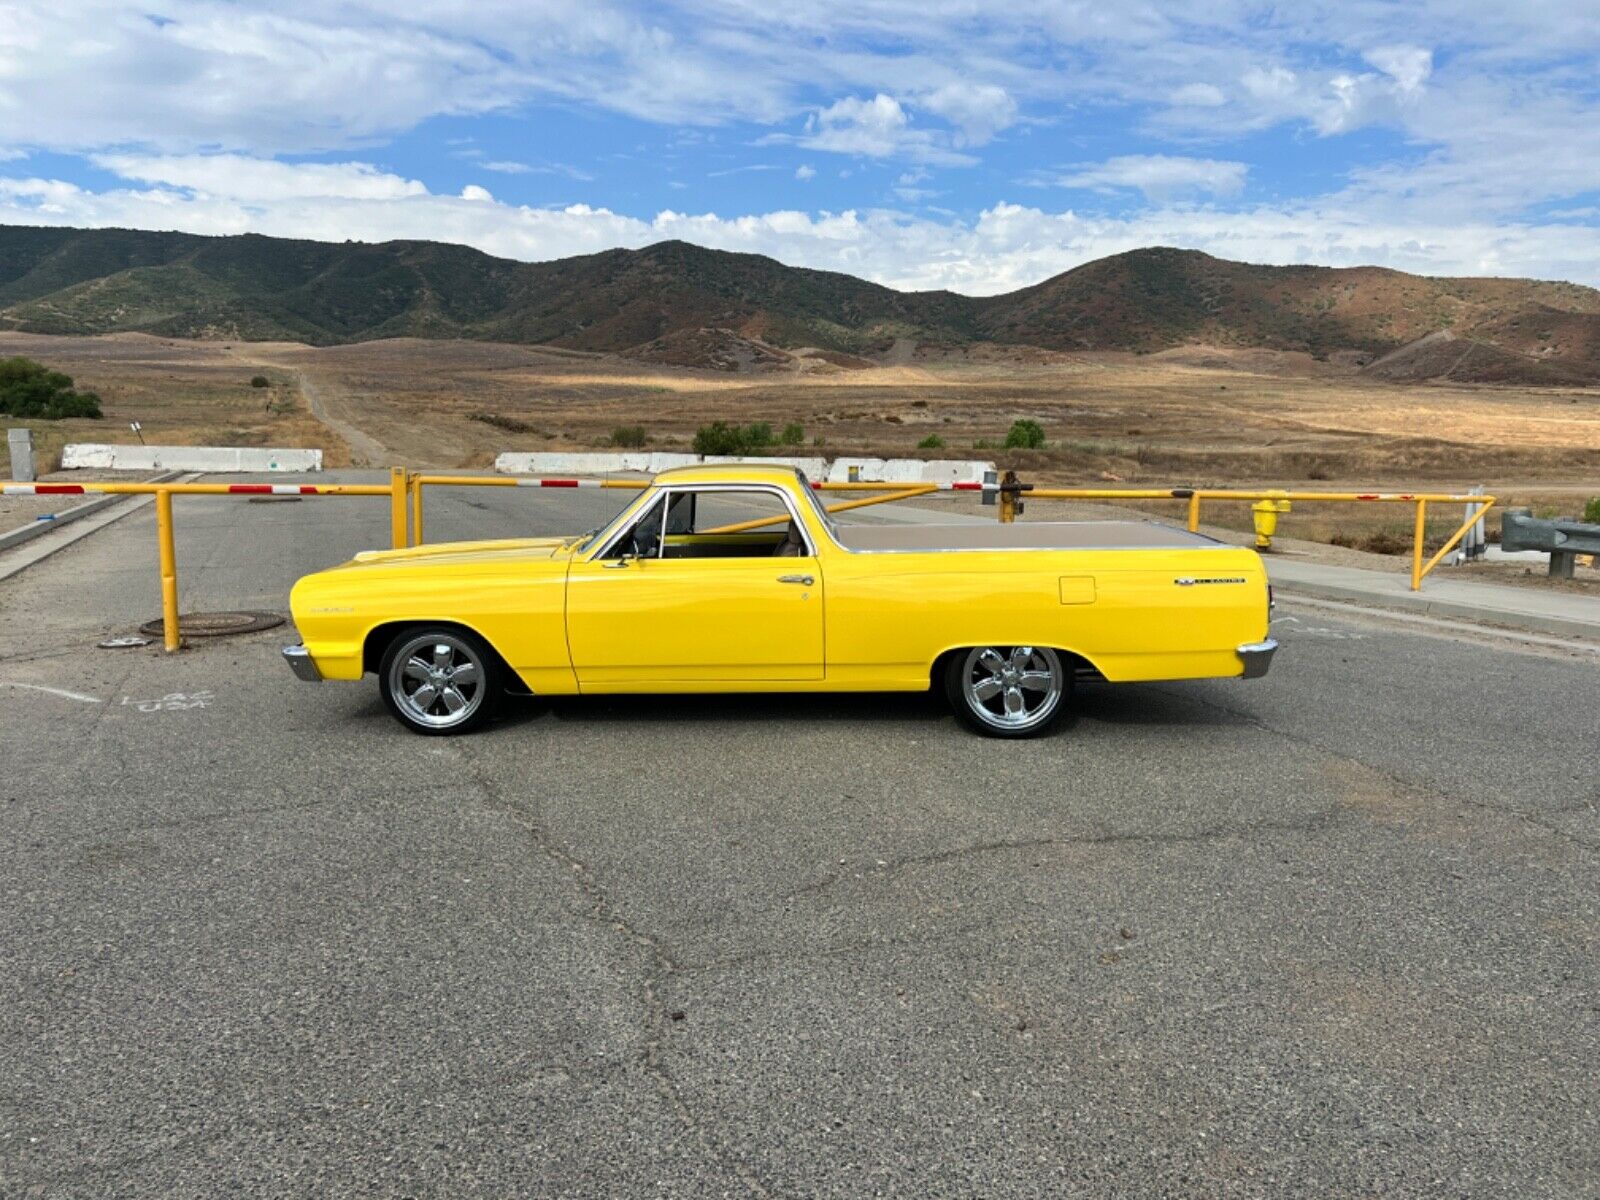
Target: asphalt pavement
<point>1335,932</point>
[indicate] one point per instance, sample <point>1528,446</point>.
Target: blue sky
<point>921,143</point>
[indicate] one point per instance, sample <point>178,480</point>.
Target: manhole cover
<point>216,624</point>
<point>123,643</point>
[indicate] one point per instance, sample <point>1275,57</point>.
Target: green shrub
<point>719,438</point>
<point>1025,435</point>
<point>794,434</point>
<point>259,381</point>
<point>1591,511</point>
<point>932,442</point>
<point>31,390</point>
<point>629,436</point>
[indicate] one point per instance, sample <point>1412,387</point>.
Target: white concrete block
<point>662,461</point>
<point>213,460</point>
<point>955,470</point>
<point>814,468</point>
<point>567,462</point>
<point>908,470</point>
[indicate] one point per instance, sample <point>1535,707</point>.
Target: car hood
<point>461,554</point>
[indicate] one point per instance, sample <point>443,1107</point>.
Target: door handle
<point>803,580</point>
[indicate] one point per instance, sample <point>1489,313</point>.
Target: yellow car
<point>736,579</point>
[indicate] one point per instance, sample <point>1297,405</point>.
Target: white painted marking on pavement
<point>62,692</point>
<point>172,702</point>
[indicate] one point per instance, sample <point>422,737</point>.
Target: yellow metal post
<point>397,507</point>
<point>1008,498</point>
<point>416,510</point>
<point>1438,555</point>
<point>1416,546</point>
<point>1194,513</point>
<point>171,635</point>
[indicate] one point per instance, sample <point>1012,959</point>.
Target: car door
<point>637,619</point>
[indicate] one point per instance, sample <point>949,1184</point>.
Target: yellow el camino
<point>736,579</point>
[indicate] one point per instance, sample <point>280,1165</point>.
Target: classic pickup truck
<point>736,578</point>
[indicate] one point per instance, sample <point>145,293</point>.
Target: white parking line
<point>62,692</point>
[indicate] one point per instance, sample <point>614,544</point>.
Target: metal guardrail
<point>1563,540</point>
<point>405,494</point>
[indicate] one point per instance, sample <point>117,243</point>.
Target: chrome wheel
<point>1012,689</point>
<point>437,681</point>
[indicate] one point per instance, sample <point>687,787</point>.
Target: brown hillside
<point>680,304</point>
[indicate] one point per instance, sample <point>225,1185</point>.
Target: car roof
<point>732,472</point>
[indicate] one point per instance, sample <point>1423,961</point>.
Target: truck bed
<point>1023,535</point>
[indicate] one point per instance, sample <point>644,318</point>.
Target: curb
<point>1451,609</point>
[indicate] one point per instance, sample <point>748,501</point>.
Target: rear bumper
<point>1257,657</point>
<point>299,660</point>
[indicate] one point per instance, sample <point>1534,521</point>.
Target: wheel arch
<point>1070,659</point>
<point>380,635</point>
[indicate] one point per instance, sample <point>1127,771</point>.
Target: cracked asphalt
<point>1335,932</point>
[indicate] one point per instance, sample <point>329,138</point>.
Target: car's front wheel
<point>440,680</point>
<point>1008,691</point>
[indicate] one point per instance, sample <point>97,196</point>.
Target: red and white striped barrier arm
<point>274,489</point>
<point>42,489</point>
<point>568,483</point>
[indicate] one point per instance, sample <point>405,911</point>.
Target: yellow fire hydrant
<point>1266,513</point>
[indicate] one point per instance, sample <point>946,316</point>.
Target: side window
<point>680,512</point>
<point>730,523</point>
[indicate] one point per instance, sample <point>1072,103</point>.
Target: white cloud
<point>261,181</point>
<point>805,172</point>
<point>1160,175</point>
<point>1005,247</point>
<point>1408,66</point>
<point>513,167</point>
<point>978,111</point>
<point>875,128</point>
<point>478,195</point>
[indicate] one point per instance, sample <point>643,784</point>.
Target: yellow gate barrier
<point>405,488</point>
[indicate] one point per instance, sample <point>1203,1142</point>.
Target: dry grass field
<point>1196,416</point>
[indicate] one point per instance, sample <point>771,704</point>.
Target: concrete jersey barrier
<point>869,470</point>
<point>213,460</point>
<point>908,470</point>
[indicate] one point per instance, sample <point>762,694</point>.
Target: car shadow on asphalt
<point>1194,704</point>
<point>853,708</point>
<point>1187,705</point>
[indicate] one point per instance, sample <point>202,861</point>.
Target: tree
<point>33,391</point>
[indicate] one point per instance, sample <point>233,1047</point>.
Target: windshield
<point>809,497</point>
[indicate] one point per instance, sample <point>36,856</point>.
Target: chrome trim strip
<point>1257,657</point>
<point>299,660</point>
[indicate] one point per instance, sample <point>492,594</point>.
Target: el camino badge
<point>1190,580</point>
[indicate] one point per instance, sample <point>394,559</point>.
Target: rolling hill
<point>249,287</point>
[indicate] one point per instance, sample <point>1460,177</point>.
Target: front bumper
<point>1256,656</point>
<point>299,660</point>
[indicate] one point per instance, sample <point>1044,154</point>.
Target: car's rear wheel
<point>1008,691</point>
<point>440,680</point>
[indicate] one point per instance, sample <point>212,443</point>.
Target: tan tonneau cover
<point>1023,535</point>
